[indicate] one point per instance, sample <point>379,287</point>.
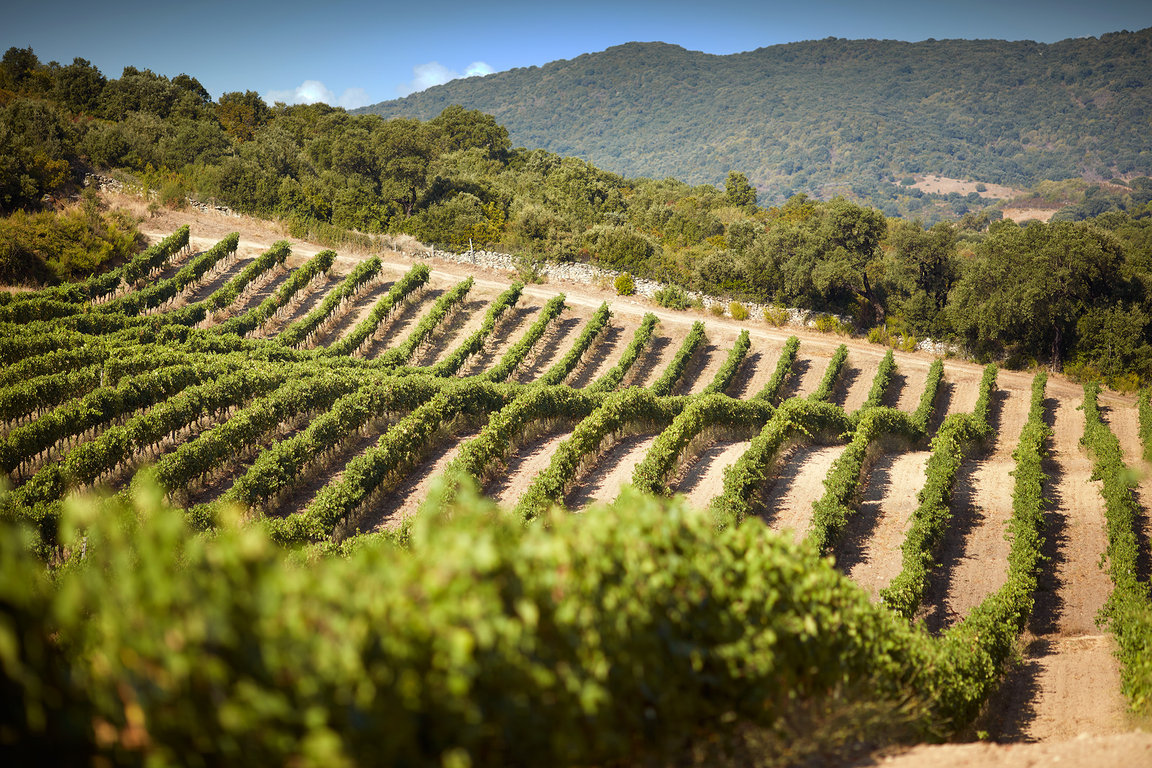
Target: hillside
<point>831,115</point>
<point>325,397</point>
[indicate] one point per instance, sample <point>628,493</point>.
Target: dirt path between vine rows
<point>907,384</point>
<point>523,465</point>
<point>704,479</point>
<point>855,381</point>
<point>869,551</point>
<point>756,370</point>
<point>973,556</point>
<point>799,485</point>
<point>611,472</point>
<point>1069,682</point>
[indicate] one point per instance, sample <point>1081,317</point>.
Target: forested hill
<point>832,115</point>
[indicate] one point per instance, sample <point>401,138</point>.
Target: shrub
<point>776,316</point>
<point>738,311</point>
<point>672,297</point>
<point>716,309</point>
<point>625,285</point>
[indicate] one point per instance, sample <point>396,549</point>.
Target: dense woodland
<point>1070,293</point>
<point>828,117</point>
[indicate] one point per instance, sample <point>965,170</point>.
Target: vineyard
<point>961,549</point>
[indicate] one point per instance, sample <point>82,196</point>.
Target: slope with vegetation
<point>1065,293</point>
<point>832,116</point>
<point>253,530</point>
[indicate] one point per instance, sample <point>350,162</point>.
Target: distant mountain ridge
<point>831,115</point>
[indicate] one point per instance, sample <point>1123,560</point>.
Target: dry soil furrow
<point>799,484</point>
<point>807,373</point>
<point>964,389</point>
<point>653,360</point>
<point>703,480</point>
<point>524,464</point>
<point>855,381</point>
<point>1069,681</point>
<point>611,472</point>
<point>756,370</point>
<point>509,331</point>
<point>394,329</point>
<point>869,551</point>
<point>605,352</point>
<point>406,498</point>
<point>202,290</point>
<point>562,334</point>
<point>352,313</point>
<point>907,384</point>
<point>331,471</point>
<point>315,292</point>
<point>974,553</point>
<point>462,324</point>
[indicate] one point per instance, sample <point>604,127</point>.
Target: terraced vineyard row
<point>327,407</point>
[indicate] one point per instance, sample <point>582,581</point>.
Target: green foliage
<point>952,443</point>
<point>827,383</point>
<point>731,364</point>
<point>624,285</point>
<point>433,319</point>
<point>159,626</point>
<point>737,311</point>
<point>745,480</point>
<point>615,375</point>
<point>927,405</point>
<point>776,316</point>
<point>1128,610</point>
<point>560,370</point>
<point>302,331</point>
<point>712,413</point>
<point>519,351</point>
<point>696,116</point>
<point>51,247</point>
<point>679,363</point>
<point>672,297</point>
<point>475,343</point>
<point>1145,410</point>
<point>413,280</point>
<point>771,391</point>
<point>631,410</point>
<point>296,282</point>
<point>881,382</point>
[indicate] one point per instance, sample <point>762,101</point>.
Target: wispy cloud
<point>314,91</point>
<point>434,73</point>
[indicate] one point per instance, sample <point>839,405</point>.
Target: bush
<point>738,311</point>
<point>672,297</point>
<point>625,285</point>
<point>717,309</point>
<point>50,246</point>
<point>776,316</point>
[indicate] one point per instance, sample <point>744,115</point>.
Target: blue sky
<point>355,53</point>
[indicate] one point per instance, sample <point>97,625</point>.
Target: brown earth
<point>799,485</point>
<point>704,479</point>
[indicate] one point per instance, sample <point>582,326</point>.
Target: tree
<point>80,85</point>
<point>457,128</point>
<point>242,114</point>
<point>1027,288</point>
<point>738,192</point>
<point>404,150</point>
<point>849,236</point>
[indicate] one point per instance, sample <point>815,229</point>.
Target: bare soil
<point>799,485</point>
<point>943,185</point>
<point>704,479</point>
<point>869,552</point>
<point>394,507</point>
<point>523,466</point>
<point>756,370</point>
<point>613,470</point>
<point>973,557</point>
<point>855,381</point>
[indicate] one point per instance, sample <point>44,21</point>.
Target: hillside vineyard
<point>327,408</point>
